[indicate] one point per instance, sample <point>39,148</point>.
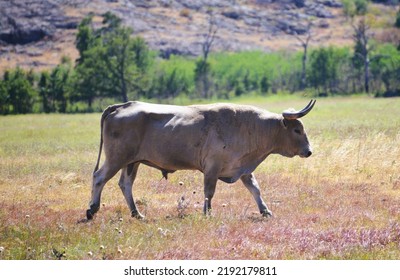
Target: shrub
<point>361,6</point>
<point>397,23</point>
<point>349,8</point>
<point>355,7</point>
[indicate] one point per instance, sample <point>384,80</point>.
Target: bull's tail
<point>105,114</point>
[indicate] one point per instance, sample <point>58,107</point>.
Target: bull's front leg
<point>252,185</point>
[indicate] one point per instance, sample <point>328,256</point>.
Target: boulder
<point>291,27</point>
<point>331,3</point>
<point>233,14</point>
<point>318,10</point>
<point>299,3</point>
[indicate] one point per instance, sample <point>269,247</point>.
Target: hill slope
<point>37,33</point>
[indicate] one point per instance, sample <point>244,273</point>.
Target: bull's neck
<point>271,140</point>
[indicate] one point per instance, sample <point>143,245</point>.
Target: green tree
<point>117,54</point>
<point>168,84</point>
<point>203,79</point>
<point>4,105</point>
<point>239,89</point>
<point>59,81</point>
<point>386,68</point>
<point>355,7</point>
<point>86,83</point>
<point>361,6</point>
<point>141,54</point>
<point>349,8</point>
<point>115,64</point>
<point>171,77</point>
<point>264,85</point>
<point>31,77</point>
<point>85,37</point>
<point>248,85</point>
<point>397,23</point>
<point>53,88</point>
<point>323,70</point>
<point>44,91</point>
<point>111,22</point>
<point>363,51</point>
<point>20,91</point>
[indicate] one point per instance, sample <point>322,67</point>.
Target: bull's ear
<point>284,123</point>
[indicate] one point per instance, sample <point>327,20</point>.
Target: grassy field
<point>341,203</point>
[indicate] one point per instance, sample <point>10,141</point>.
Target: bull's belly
<point>169,164</point>
<point>228,177</point>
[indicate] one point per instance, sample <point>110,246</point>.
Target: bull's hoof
<point>92,210</point>
<point>82,221</point>
<point>89,215</point>
<point>137,215</point>
<point>267,214</point>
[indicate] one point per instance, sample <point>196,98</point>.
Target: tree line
<point>115,66</point>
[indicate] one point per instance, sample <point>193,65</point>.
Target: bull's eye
<point>297,131</point>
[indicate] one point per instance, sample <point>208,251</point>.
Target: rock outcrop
<point>23,22</point>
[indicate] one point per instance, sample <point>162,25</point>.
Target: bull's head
<point>295,138</point>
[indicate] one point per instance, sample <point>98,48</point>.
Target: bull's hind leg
<point>100,178</point>
<point>128,175</point>
<point>251,184</point>
<point>210,182</point>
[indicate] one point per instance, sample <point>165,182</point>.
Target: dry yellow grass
<point>341,203</point>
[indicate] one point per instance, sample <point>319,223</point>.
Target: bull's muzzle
<point>306,153</point>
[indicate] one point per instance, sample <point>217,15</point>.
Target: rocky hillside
<point>37,33</point>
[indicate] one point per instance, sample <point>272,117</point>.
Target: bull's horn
<point>292,115</point>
